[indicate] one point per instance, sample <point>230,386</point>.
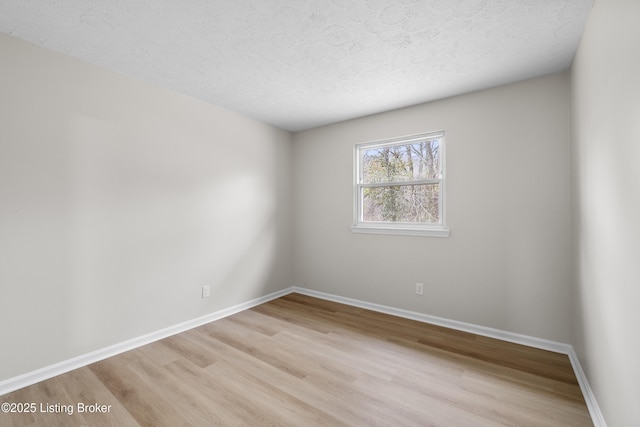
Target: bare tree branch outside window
<point>400,182</point>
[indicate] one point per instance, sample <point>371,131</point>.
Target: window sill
<point>426,232</point>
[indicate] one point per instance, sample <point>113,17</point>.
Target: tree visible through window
<point>399,182</point>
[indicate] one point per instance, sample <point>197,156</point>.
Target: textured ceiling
<point>303,63</point>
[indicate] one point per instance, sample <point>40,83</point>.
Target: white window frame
<point>401,228</point>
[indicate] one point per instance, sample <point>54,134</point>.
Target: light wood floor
<point>301,361</point>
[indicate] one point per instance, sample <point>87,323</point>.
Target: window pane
<point>404,162</point>
<point>402,203</point>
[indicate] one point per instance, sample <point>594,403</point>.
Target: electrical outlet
<point>206,291</point>
<point>419,288</point>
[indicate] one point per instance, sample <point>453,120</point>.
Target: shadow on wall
<point>149,227</point>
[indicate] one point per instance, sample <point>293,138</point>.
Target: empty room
<point>320,213</point>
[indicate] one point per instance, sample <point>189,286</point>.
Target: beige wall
<point>507,262</point>
<point>118,201</point>
<point>606,156</point>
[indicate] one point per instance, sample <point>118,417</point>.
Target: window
<point>399,186</point>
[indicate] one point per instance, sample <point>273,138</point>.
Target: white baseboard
<point>592,405</point>
<point>51,371</point>
<point>587,393</point>
<point>447,323</point>
<point>47,372</point>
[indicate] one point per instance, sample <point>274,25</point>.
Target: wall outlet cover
<point>206,291</point>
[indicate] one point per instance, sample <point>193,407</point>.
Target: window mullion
<point>400,183</point>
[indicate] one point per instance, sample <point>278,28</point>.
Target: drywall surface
<point>119,200</point>
<point>506,263</point>
<point>606,226</point>
<point>299,64</point>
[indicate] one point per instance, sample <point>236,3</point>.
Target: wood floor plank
<point>82,385</point>
<point>146,401</point>
<point>229,409</point>
<point>299,360</point>
<point>321,396</point>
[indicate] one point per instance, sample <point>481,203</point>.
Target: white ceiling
<point>298,64</point>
